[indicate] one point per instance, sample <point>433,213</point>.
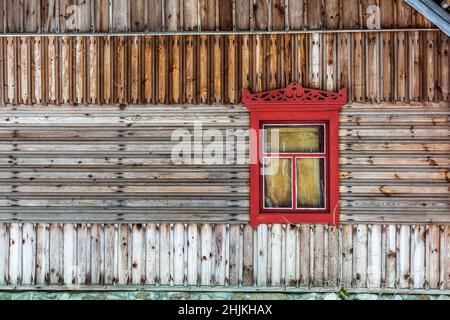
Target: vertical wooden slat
<point>226,15</point>
<point>70,267</point>
<point>93,71</point>
<point>192,253</point>
<point>151,251</point>
<point>444,84</point>
<point>66,69</point>
<point>32,15</point>
<point>80,70</point>
<point>220,252</point>
<point>207,256</point>
<point>42,253</point>
<point>373,67</point>
<point>243,8</point>
<point>248,262</point>
<point>374,257</point>
<point>162,70</point>
<point>120,70</point>
<point>175,69</point>
<point>304,257</point>
<point>14,16</point>
<point>259,63</point>
<point>109,261</point>
<point>387,78</point>
<point>318,276</point>
<point>296,14</point>
<point>358,67</point>
<point>155,18</point>
<point>86,17</point>
<point>190,78</point>
<point>107,70</point>
<point>430,78</point>
<point>178,239</point>
<point>15,253</point>
<point>11,70</point>
<point>232,69</point>
<point>418,258</point>
<point>400,62</point>
<point>278,14</point>
<point>217,69</point>
<point>55,252</point>
<point>164,254</point>
<point>102,15</point>
<point>315,60</point>
<point>261,14</point>
<point>276,255</point>
<point>208,15</point>
<point>52,71</point>
<point>172,15</point>
<point>190,14</point>
<point>330,62</point>
<point>262,256</point>
<point>432,256</point>
<point>292,257</point>
<point>334,259</point>
<point>331,12</point>
<point>414,66</point>
<point>138,15</point>
<point>123,248</point>
<point>314,11</point>
<point>391,256</point>
<point>203,74</point>
<point>245,65</point>
<point>83,254</point>
<point>445,257</point>
<point>97,248</point>
<point>360,255</point>
<point>4,253</point>
<point>134,70</point>
<point>404,271</point>
<point>120,15</point>
<point>272,59</point>
<point>148,80</point>
<point>347,255</point>
<point>138,254</point>
<point>24,70</point>
<point>344,63</point>
<point>49,15</point>
<point>234,252</point>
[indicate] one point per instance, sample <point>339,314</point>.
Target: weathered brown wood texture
<point>362,256</point>
<point>198,15</point>
<point>115,164</point>
<point>389,67</point>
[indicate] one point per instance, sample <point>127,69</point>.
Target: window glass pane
<point>310,183</point>
<point>277,183</point>
<point>295,138</point>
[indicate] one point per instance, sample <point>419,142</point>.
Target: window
<point>294,169</point>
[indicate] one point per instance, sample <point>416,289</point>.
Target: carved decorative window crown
<point>294,93</point>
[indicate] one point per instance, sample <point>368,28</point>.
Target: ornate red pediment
<point>294,93</point>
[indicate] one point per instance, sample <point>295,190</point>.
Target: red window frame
<point>295,105</point>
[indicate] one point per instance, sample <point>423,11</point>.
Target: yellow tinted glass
<point>294,139</point>
<point>310,183</point>
<point>277,183</point>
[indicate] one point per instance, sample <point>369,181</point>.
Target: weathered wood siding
<point>114,164</point>
<point>376,67</point>
<point>196,15</point>
<point>361,256</point>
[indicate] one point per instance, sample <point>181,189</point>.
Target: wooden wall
<point>114,164</point>
<point>195,15</point>
<point>359,256</point>
<point>376,67</point>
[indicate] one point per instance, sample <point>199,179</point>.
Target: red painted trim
<point>295,104</point>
